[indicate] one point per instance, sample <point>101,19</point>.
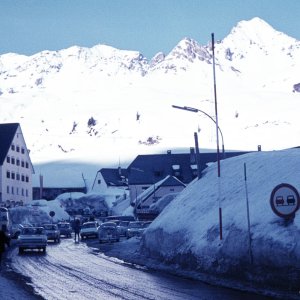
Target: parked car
<point>65,229</point>
<point>32,238</point>
<point>134,229</point>
<point>16,229</point>
<point>89,229</point>
<point>52,232</point>
<point>108,232</point>
<point>122,227</point>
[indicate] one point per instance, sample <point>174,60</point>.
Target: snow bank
<point>186,233</point>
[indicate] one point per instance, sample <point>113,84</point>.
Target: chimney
<point>259,148</point>
<point>192,156</point>
<point>119,171</point>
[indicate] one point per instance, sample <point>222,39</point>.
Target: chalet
<point>15,166</point>
<point>110,178</point>
<point>149,169</point>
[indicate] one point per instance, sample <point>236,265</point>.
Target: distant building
<point>15,166</point>
<point>50,193</point>
<point>110,178</point>
<point>147,170</point>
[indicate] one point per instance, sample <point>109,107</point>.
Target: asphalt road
<point>71,270</point>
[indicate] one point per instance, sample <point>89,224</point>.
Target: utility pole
<point>197,155</point>
<point>217,132</point>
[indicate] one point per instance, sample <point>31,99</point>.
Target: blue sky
<point>148,26</point>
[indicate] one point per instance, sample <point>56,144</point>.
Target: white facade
<point>16,173</point>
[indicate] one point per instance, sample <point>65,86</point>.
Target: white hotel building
<point>15,167</point>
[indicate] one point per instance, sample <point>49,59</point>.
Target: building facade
<point>15,167</point>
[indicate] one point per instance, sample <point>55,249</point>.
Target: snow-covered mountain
<point>107,105</point>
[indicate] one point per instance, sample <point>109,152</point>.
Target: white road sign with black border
<point>285,200</point>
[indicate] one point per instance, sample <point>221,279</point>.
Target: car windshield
<point>50,227</point>
<point>32,230</point>
<point>108,225</point>
<point>135,225</point>
<point>63,225</point>
<point>124,223</point>
<point>89,225</point>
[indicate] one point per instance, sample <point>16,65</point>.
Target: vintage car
<point>135,228</point>
<point>52,232</point>
<point>108,232</point>
<point>65,229</point>
<point>32,238</point>
<point>122,227</point>
<point>89,229</point>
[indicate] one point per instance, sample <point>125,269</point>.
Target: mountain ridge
<point>54,95</point>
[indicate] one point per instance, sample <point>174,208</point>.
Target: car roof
<point>109,223</point>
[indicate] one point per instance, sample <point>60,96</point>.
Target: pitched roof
<point>114,177</point>
<point>152,168</point>
<point>167,181</point>
<point>7,133</point>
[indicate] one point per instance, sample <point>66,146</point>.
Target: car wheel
<point>21,250</point>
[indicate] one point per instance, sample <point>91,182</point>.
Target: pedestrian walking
<point>4,240</point>
<point>77,229</point>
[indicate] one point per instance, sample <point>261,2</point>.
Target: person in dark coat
<point>77,229</point>
<point>4,240</point>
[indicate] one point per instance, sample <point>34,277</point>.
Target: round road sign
<point>285,200</point>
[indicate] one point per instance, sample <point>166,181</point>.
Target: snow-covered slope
<point>107,105</point>
<point>186,233</point>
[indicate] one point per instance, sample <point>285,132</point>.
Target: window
<point>18,176</point>
<point>18,162</point>
<point>22,164</point>
<point>27,179</point>
<point>22,192</point>
<point>7,189</point>
<point>12,190</point>
<point>23,177</point>
<point>18,148</point>
<point>17,191</point>
<point>22,150</point>
<point>12,147</point>
<point>7,174</point>
<point>26,193</point>
<point>8,159</point>
<point>176,170</point>
<point>12,175</point>
<point>13,160</point>
<point>27,165</point>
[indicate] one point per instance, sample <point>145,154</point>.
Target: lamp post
<point>196,110</point>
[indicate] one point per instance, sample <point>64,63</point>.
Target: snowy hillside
<point>105,105</point>
<point>186,233</point>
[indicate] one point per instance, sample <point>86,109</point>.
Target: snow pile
<point>186,233</point>
<point>38,211</point>
<point>160,205</point>
<point>29,215</point>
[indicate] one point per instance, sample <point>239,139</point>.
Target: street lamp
<point>196,110</point>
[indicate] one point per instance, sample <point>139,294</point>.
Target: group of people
<point>4,242</point>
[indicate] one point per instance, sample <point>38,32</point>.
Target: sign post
<point>285,201</point>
